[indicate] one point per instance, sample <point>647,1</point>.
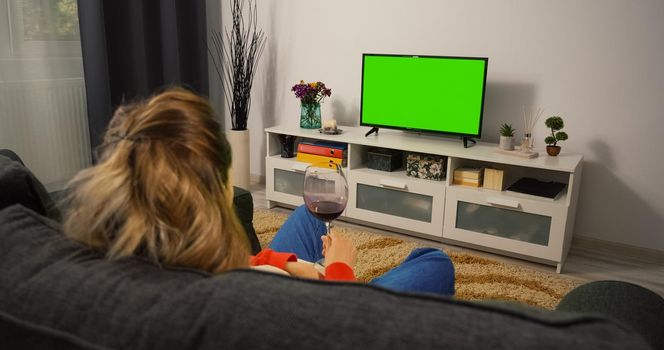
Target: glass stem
<point>327,227</point>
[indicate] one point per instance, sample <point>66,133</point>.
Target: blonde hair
<point>161,188</point>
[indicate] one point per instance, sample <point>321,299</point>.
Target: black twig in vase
<point>235,60</point>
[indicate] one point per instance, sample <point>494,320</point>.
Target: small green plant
<point>506,130</point>
<point>555,123</point>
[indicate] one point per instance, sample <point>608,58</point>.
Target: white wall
<point>599,64</point>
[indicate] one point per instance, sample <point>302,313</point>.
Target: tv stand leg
<point>373,130</point>
<point>466,139</point>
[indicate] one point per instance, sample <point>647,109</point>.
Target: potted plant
<point>310,95</point>
<point>507,137</point>
<point>554,123</point>
<point>235,56</point>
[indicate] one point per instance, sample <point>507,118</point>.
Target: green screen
<point>427,93</point>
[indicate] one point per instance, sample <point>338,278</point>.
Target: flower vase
<point>310,116</point>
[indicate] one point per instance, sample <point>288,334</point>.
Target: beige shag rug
<point>477,278</point>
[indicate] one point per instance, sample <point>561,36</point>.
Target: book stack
<point>322,152</point>
<point>468,177</point>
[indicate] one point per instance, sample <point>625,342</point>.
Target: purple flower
<point>311,92</point>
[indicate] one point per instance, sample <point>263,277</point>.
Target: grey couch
<point>57,294</point>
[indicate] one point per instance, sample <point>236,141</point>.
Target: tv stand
<point>373,130</point>
<point>466,139</point>
<point>496,220</point>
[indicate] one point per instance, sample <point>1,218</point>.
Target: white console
<point>529,227</point>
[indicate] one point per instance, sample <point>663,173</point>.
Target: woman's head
<point>161,187</point>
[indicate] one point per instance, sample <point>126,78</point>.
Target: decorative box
<point>384,159</point>
<point>494,179</point>
<point>426,166</point>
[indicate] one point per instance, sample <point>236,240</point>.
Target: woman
<point>162,190</point>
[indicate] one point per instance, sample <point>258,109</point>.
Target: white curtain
<point>42,91</point>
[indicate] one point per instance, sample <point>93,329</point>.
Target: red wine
<point>326,210</point>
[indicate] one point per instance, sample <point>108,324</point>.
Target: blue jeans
<point>424,270</point>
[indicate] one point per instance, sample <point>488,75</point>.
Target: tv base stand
<point>465,140</point>
<point>373,130</point>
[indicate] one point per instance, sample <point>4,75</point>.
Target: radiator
<point>45,123</point>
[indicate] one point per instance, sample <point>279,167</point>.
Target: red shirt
<point>337,271</point>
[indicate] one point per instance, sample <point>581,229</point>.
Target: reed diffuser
<point>530,118</point>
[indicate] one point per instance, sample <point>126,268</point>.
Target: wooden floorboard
<point>587,260</point>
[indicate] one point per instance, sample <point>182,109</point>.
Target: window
<point>42,91</point>
<point>48,20</point>
<point>42,28</point>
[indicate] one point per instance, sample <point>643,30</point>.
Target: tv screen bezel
<point>479,130</point>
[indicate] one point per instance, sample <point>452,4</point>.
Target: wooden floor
<point>588,260</point>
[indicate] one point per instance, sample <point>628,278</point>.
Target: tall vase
<point>239,140</point>
<point>310,115</point>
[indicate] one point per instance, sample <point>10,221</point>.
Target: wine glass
<point>325,193</point>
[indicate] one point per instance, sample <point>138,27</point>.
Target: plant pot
<point>553,150</point>
<point>507,143</point>
<point>239,140</point>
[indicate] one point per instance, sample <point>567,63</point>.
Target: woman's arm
<point>339,255</point>
<point>284,261</point>
<point>302,269</point>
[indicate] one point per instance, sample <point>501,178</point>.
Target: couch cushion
<point>17,334</point>
<point>19,186</point>
<point>55,283</point>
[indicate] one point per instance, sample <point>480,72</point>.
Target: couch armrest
<point>19,186</point>
<point>244,208</point>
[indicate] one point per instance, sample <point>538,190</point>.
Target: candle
<point>330,124</point>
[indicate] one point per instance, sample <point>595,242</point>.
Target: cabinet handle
<point>394,184</point>
<point>503,202</point>
<point>300,167</point>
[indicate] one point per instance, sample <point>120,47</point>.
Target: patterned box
<point>426,166</point>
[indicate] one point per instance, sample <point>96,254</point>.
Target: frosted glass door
<point>288,182</point>
<point>393,202</point>
<point>520,226</point>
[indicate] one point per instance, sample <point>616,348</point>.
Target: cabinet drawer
<point>399,202</point>
<point>285,180</point>
<point>499,221</point>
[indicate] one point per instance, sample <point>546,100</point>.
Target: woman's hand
<point>337,248</point>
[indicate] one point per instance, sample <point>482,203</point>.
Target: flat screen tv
<point>423,93</point>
